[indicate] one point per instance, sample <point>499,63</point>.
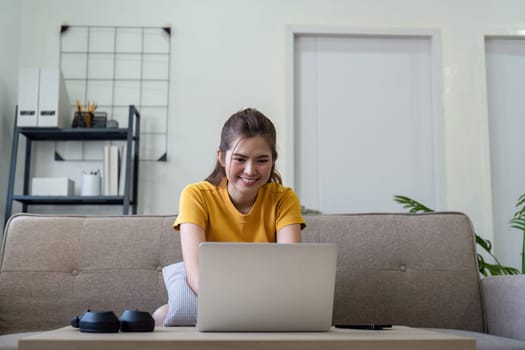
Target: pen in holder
<point>88,118</point>
<point>82,120</point>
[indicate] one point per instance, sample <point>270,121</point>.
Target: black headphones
<point>107,322</point>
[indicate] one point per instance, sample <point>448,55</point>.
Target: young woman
<point>242,200</point>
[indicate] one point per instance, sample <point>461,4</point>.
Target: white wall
<point>232,53</point>
<point>9,33</point>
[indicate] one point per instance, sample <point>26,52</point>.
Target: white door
<point>366,122</point>
<point>505,60</point>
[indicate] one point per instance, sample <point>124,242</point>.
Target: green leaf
<point>519,215</point>
<point>482,265</point>
<point>484,243</point>
<point>412,205</point>
<point>518,223</point>
<point>520,204</point>
<point>520,220</point>
<point>521,201</point>
<point>487,269</point>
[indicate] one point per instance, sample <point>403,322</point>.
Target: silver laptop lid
<point>266,286</point>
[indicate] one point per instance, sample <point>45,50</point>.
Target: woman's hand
<point>191,236</point>
<point>289,234</point>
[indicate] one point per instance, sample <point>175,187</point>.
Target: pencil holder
<point>82,120</point>
<point>90,183</point>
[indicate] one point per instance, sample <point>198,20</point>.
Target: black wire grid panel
<point>115,67</point>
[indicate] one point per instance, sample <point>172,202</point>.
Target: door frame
<point>437,91</point>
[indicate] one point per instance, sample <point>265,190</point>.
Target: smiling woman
<point>248,166</point>
<point>242,200</point>
<point>245,124</point>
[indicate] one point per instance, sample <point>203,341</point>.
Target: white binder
<point>43,99</point>
<point>28,86</point>
<point>54,109</point>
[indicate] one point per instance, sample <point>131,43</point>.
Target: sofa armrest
<point>504,299</point>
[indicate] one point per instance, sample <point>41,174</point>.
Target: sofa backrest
<point>55,267</point>
<point>410,269</point>
<point>417,270</point>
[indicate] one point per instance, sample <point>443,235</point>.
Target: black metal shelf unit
<point>131,135</point>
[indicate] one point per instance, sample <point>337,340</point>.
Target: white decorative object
<point>90,183</point>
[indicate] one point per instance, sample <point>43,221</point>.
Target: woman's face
<point>248,166</point>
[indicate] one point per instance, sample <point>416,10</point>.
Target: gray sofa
<point>416,270</point>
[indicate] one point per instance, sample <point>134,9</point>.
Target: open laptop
<point>266,287</point>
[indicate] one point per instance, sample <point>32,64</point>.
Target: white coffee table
<point>182,338</point>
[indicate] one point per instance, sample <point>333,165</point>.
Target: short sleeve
<point>192,208</point>
<point>289,211</point>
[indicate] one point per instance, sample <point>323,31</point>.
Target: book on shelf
<point>111,168</point>
<point>122,170</point>
<point>114,170</point>
<point>105,171</point>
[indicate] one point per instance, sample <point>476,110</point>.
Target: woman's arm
<point>191,235</point>
<point>289,234</point>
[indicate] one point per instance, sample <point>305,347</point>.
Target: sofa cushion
<point>182,301</point>
<point>504,300</point>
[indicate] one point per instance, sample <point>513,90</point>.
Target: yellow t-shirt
<point>211,208</point>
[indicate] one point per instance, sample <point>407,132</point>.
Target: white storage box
<point>42,99</point>
<point>52,186</point>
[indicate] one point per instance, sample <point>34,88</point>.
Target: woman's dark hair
<point>246,123</point>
